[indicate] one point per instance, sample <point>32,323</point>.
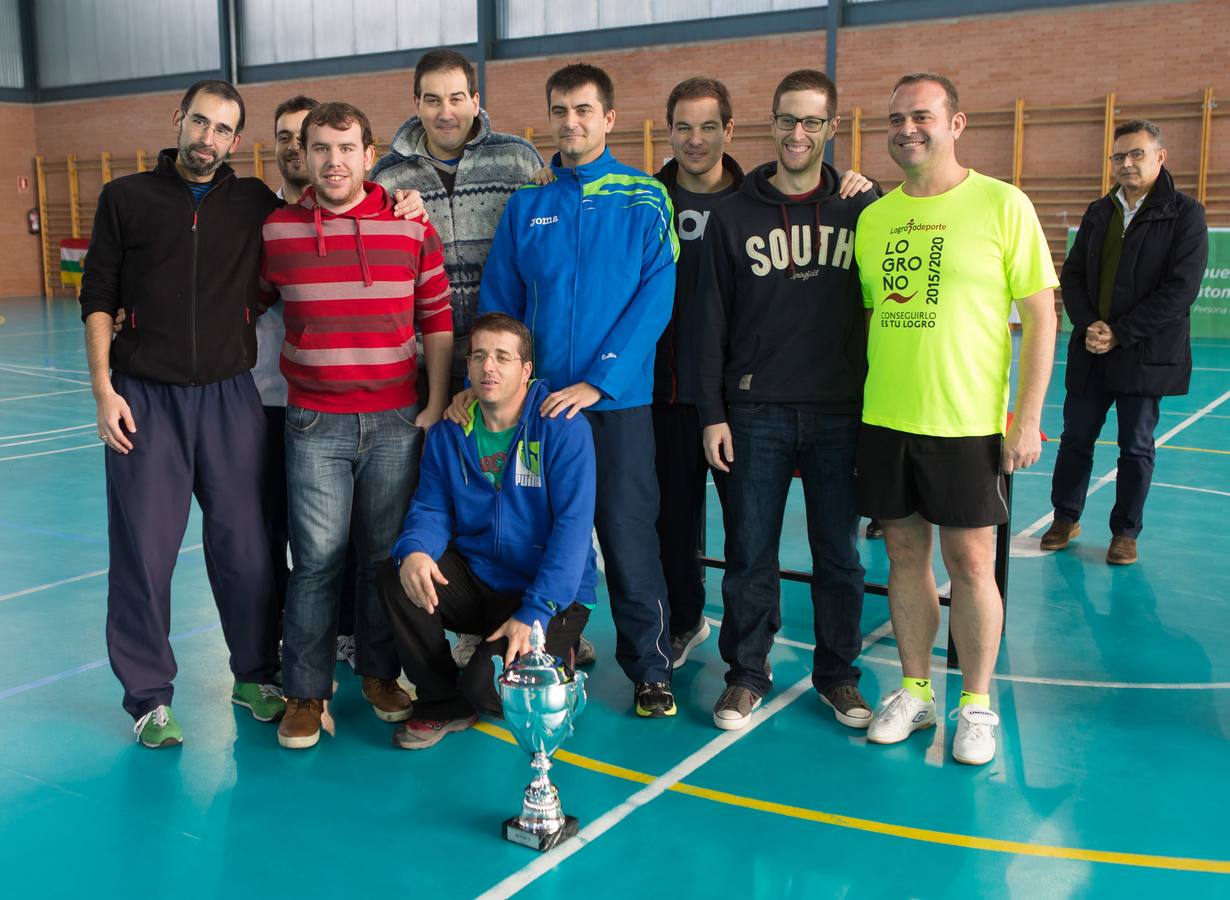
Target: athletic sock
<point>967,697</point>
<point>919,688</point>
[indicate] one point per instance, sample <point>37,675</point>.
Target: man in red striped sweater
<point>355,281</point>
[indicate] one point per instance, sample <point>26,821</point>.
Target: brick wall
<point>19,251</point>
<point>1145,51</point>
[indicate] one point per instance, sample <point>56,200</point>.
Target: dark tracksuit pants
<point>1084,414</point>
<point>625,517</point>
<point>273,498</point>
<point>466,606</point>
<point>683,476</point>
<point>207,442</point>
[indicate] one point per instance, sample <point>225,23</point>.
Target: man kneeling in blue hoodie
<point>483,554</point>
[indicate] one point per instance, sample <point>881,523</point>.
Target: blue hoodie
<point>588,263</point>
<point>530,537</point>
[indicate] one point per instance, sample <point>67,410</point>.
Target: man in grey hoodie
<point>465,173</point>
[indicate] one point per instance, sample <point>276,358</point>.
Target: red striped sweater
<point>353,288</point>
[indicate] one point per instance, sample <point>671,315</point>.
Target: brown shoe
<point>388,700</point>
<point>1060,534</point>
<point>1122,551</point>
<point>300,726</point>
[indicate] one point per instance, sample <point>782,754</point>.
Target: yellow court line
<point>1174,447</point>
<point>1144,860</point>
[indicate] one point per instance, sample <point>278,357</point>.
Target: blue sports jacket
<point>530,537</point>
<point>588,263</point>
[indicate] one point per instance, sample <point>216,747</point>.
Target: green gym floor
<point>1113,687</point>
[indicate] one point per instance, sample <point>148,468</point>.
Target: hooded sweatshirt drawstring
<point>364,267</point>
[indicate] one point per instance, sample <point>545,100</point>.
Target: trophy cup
<point>540,702</point>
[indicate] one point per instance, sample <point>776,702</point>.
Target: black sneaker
<point>735,707</point>
<point>847,704</point>
<point>654,700</point>
<point>683,644</point>
<point>584,653</point>
<point>874,530</point>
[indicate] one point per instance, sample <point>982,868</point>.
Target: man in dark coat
<point>1128,286</point>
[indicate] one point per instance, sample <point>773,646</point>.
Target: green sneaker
<point>158,728</point>
<point>264,700</point>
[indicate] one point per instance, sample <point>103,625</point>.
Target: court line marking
<point>95,664</point>
<point>1162,484</point>
<point>46,394</point>
<point>41,369</point>
<point>15,371</point>
<point>654,788</point>
<point>38,588</point>
<point>925,835</point>
<point>97,445</point>
<point>35,333</point>
<point>1180,413</point>
<point>1171,447</point>
<point>39,440</point>
<point>13,437</point>
<point>1110,476</point>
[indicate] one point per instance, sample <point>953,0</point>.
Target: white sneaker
<point>898,716</point>
<point>974,743</point>
<point>345,649</point>
<point>464,647</point>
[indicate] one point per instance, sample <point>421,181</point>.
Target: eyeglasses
<point>811,124</point>
<point>480,357</point>
<point>201,124</point>
<point>1134,155</point>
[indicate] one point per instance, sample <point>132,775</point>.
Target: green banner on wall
<point>1211,311</point>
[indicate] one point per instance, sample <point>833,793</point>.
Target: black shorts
<point>954,482</point>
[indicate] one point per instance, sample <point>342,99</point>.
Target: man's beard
<point>196,166</point>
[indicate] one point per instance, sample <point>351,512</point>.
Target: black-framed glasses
<point>811,124</point>
<point>480,357</point>
<point>1134,155</point>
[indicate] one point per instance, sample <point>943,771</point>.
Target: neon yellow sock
<point>919,688</point>
<point>983,700</point>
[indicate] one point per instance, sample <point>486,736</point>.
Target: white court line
<point>1164,412</point>
<point>29,374</point>
<point>35,333</point>
<point>13,437</point>
<point>41,440</point>
<point>88,575</point>
<point>1054,682</point>
<point>40,369</point>
<point>46,394</point>
<point>1106,479</point>
<point>97,445</point>
<point>604,823</point>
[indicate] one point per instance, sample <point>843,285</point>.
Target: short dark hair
<point>298,103</point>
<point>950,89</point>
<point>443,60</point>
<point>808,80</point>
<point>700,89</point>
<point>336,115</point>
<point>223,89</point>
<point>501,323</point>
<point>1132,126</point>
<point>577,75</point>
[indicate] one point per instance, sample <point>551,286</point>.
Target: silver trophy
<point>540,702</point>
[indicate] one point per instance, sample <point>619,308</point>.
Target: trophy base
<point>512,831</point>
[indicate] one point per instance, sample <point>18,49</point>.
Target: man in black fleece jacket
<point>781,365</point>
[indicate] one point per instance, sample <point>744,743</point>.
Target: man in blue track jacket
<point>496,539</point>
<point>588,263</point>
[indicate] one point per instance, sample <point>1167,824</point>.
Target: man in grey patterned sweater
<point>465,173</point>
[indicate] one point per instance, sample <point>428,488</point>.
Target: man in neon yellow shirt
<point>941,259</point>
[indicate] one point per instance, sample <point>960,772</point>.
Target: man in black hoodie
<point>782,362</point>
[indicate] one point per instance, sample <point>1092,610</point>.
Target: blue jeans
<point>771,441</point>
<point>349,477</point>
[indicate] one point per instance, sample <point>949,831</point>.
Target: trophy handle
<point>579,693</point>
<point>498,663</point>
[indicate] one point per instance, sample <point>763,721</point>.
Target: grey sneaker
<point>735,707</point>
<point>419,734</point>
<point>586,655</point>
<point>847,705</point>
<point>683,644</point>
